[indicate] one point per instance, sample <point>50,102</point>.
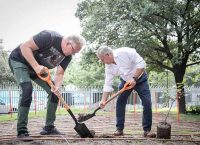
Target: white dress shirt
<point>127,61</point>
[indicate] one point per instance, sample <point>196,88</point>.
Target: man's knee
<point>27,89</point>
<point>54,98</point>
<point>147,104</point>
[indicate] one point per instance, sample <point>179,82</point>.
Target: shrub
<point>194,109</point>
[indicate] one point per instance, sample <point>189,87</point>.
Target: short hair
<point>103,50</point>
<point>77,39</point>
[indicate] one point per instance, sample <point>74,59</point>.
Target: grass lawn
<point>32,114</point>
<point>183,117</point>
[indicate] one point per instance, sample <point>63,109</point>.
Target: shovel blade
<point>83,131</point>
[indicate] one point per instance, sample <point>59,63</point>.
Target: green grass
<point>7,117</point>
<point>183,117</point>
<point>173,114</point>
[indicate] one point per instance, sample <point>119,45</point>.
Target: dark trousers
<point>23,77</point>
<point>142,88</point>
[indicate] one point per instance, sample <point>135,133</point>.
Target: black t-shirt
<point>49,53</point>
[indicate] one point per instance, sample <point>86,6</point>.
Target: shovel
<point>80,128</point>
<point>82,118</point>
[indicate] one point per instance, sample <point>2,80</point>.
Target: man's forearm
<point>58,80</point>
<point>138,72</point>
<point>28,55</point>
<point>105,96</point>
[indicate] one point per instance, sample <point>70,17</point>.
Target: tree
<point>166,33</point>
<point>83,75</point>
<point>192,77</point>
<point>5,73</point>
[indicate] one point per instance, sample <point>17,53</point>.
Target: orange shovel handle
<point>47,78</point>
<point>126,87</point>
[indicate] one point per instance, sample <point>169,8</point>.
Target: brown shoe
<point>149,134</point>
<point>24,137</point>
<point>118,132</point>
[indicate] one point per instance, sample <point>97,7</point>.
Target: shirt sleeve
<point>136,59</point>
<point>108,80</point>
<point>43,39</point>
<point>66,62</point>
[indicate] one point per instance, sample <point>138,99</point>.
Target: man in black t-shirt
<point>45,49</point>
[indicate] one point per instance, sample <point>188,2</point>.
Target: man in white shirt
<point>130,66</point>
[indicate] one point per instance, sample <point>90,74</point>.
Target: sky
<point>21,19</point>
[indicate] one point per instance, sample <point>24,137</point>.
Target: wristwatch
<point>135,78</point>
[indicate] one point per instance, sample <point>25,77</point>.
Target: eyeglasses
<point>73,50</point>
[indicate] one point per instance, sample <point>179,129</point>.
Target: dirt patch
<point>100,142</point>
<point>182,133</point>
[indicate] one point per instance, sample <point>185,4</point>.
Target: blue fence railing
<point>90,96</point>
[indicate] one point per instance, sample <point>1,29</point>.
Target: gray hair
<point>103,50</point>
<point>77,39</point>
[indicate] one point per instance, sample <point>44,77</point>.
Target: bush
<point>194,109</point>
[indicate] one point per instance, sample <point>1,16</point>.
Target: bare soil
<point>182,133</point>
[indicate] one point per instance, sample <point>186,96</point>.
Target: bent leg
<point>52,103</point>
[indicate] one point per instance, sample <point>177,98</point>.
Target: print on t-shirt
<point>50,58</point>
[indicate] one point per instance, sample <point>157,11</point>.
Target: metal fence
<point>89,97</point>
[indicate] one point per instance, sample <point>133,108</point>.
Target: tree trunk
<point>181,98</point>
<point>180,90</point>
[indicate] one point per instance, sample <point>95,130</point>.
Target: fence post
<point>156,101</point>
<point>10,94</point>
<point>134,101</point>
<point>35,103</point>
<point>156,104</point>
<point>84,108</point>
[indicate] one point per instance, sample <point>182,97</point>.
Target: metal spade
<point>80,128</point>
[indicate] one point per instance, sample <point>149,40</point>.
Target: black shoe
<point>50,130</point>
<point>24,136</point>
<point>118,132</point>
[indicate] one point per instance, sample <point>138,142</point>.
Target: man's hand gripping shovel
<point>80,128</point>
<point>82,118</point>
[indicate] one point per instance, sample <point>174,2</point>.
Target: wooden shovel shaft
<point>50,83</point>
<point>115,95</point>
<point>88,116</point>
<point>59,96</point>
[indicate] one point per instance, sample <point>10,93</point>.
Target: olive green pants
<point>21,74</point>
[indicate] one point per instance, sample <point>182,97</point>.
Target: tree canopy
<point>165,32</point>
